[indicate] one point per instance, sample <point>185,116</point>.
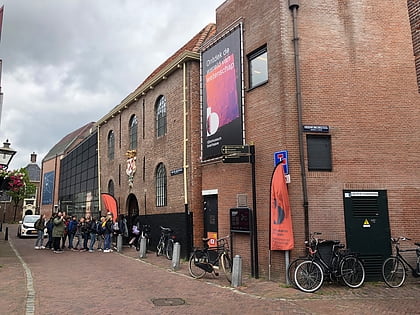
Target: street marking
<point>30,297</point>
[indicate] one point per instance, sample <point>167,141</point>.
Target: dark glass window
<point>133,133</point>
<point>319,152</point>
<point>258,67</point>
<point>111,145</point>
<point>161,116</point>
<point>161,185</point>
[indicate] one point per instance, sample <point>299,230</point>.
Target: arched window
<point>133,133</point>
<point>111,145</point>
<point>161,116</point>
<point>161,186</point>
<point>111,187</point>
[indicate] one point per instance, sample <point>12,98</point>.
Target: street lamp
<point>6,154</point>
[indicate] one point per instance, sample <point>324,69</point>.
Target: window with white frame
<point>161,116</point>
<point>133,133</point>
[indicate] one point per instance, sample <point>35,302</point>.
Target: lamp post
<point>6,154</point>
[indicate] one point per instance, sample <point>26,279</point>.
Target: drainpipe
<point>293,6</point>
<point>188,222</point>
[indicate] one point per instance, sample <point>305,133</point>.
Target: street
<point>41,282</point>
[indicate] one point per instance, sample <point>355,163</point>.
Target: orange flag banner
<point>110,204</point>
<point>281,231</point>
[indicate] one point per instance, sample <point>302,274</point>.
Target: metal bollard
<point>143,243</point>
<point>237,272</point>
<point>6,234</point>
<point>176,256</point>
<point>119,243</point>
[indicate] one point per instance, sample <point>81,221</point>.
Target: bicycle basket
<point>325,250</point>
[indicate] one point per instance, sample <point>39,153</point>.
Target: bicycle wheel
<point>159,248</point>
<point>308,276</point>
<point>226,266</point>
<point>352,271</point>
<point>170,249</point>
<point>393,272</point>
<point>291,270</point>
<point>198,257</point>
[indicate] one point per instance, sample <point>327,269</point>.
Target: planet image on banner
<point>280,213</point>
<point>212,122</point>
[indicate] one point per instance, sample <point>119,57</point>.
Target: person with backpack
<point>107,228</point>
<point>93,233</point>
<point>50,226</point>
<point>40,226</point>
<point>100,234</point>
<point>72,228</point>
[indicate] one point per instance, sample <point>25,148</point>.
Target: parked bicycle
<point>394,268</point>
<point>328,258</point>
<point>166,242</point>
<point>210,259</point>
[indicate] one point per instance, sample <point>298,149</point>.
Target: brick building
<point>156,130</point>
<point>359,102</point>
<point>333,84</point>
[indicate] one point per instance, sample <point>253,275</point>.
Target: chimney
<point>33,157</point>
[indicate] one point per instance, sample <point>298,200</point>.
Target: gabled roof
<point>190,51</point>
<point>66,143</point>
<point>34,172</point>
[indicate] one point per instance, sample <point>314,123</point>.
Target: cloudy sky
<point>68,62</point>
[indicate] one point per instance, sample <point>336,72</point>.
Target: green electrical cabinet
<point>367,228</point>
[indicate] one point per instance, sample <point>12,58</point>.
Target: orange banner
<point>110,204</point>
<point>280,215</point>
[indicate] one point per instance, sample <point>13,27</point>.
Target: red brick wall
<point>358,78</point>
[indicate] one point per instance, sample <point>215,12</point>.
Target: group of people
<point>82,234</point>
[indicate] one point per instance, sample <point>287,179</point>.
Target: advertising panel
<point>222,94</point>
<point>48,188</point>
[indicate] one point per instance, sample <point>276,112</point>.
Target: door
<point>211,218</point>
<point>367,228</point>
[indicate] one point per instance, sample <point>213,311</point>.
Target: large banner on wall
<point>48,188</point>
<point>222,94</point>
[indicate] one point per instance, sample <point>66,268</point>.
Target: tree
<point>20,187</point>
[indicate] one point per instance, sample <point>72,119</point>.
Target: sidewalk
<point>13,285</point>
<point>274,290</point>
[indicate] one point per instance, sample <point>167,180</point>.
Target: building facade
<point>149,145</point>
<point>340,95</point>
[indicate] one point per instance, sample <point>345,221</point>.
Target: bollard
<point>142,251</point>
<point>6,234</point>
<point>119,242</point>
<point>176,256</point>
<point>237,272</point>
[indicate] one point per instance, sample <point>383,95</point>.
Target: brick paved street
<point>120,283</point>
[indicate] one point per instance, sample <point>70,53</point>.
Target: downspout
<point>293,6</point>
<point>188,222</point>
<point>99,174</point>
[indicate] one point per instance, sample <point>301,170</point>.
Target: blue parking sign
<point>282,157</point>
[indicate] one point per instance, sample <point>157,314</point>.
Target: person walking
<point>58,232</point>
<point>40,226</point>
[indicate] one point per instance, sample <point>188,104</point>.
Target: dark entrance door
<point>367,228</point>
<point>210,218</point>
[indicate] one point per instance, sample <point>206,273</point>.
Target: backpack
<point>72,227</point>
<point>99,228</point>
<point>116,227</point>
<point>37,224</point>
